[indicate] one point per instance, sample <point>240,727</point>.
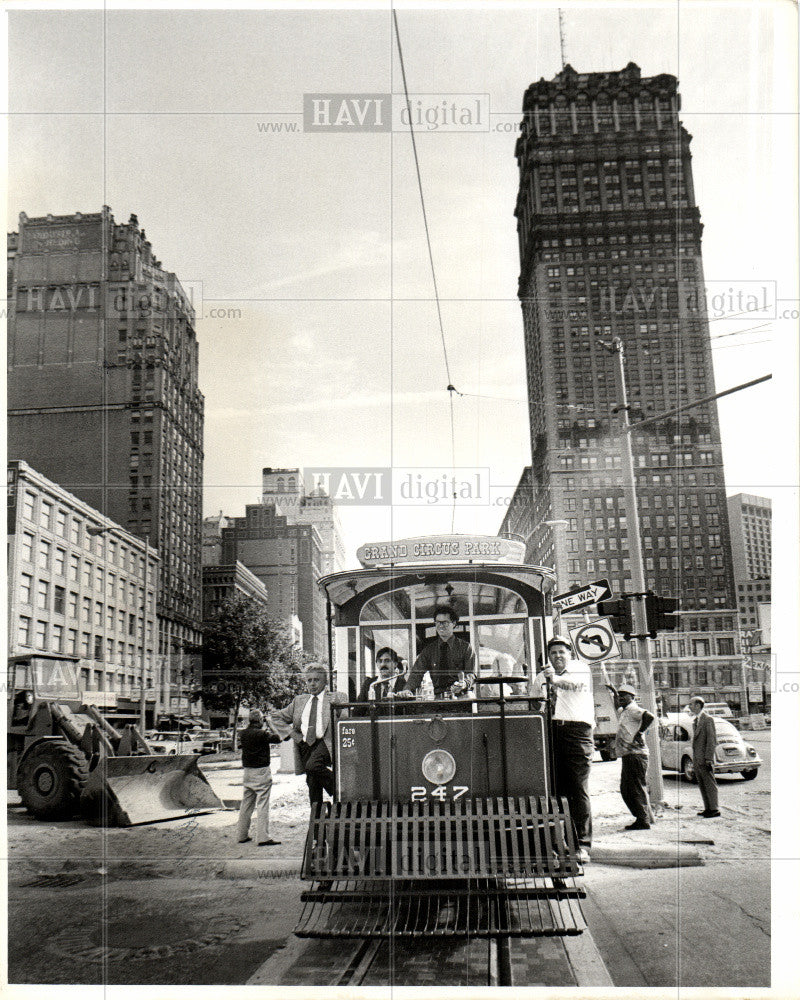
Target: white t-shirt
<point>627,727</point>
<point>574,701</point>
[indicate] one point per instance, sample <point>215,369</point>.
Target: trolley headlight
<point>438,766</point>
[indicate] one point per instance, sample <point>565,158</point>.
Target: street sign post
<point>595,641</point>
<point>573,600</point>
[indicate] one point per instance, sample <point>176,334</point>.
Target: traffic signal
<point>620,614</point>
<point>661,615</point>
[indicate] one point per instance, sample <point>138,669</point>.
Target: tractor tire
<point>51,778</point>
<point>750,773</point>
<point>687,770</point>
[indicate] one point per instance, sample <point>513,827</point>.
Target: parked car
<point>174,743</point>
<point>733,755</point>
<point>215,742</point>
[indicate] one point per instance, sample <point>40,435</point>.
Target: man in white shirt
<point>633,753</point>
<point>567,684</point>
<point>306,719</point>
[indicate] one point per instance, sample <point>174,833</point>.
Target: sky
<point>319,339</point>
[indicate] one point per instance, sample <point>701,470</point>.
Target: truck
<point>64,757</point>
<point>605,717</point>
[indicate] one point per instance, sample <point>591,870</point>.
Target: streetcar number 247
<point>419,793</point>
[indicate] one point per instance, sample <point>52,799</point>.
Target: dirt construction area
<point>183,902</point>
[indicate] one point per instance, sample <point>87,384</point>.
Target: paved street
<point>183,902</point>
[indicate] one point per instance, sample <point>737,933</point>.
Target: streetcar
<point>444,820</point>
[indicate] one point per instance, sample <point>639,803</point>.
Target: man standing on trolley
<point>566,683</point>
<point>449,660</point>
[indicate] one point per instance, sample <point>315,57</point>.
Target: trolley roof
<point>342,588</point>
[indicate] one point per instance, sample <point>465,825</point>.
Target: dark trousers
<point>572,757</point>
<point>708,785</point>
<point>633,786</point>
<point>319,772</point>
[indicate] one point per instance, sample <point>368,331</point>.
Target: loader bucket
<point>125,791</point>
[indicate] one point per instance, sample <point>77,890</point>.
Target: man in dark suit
<point>449,660</point>
<point>389,680</point>
<point>306,719</point>
<point>704,744</point>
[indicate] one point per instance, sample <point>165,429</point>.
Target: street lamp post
<point>553,526</point>
<point>638,603</point>
<point>143,679</point>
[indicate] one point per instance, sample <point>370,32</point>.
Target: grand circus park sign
<point>438,547</point>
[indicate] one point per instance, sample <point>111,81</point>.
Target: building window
<point>98,647</point>
<point>72,642</point>
<point>57,639</point>
<point>59,602</point>
<point>44,553</point>
<point>61,556</point>
<point>45,512</point>
<point>40,638</point>
<point>85,644</point>
<point>43,595</point>
<point>24,631</point>
<point>29,507</point>
<point>25,585</point>
<point>27,547</point>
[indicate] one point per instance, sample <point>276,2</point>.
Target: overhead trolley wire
<point>450,387</point>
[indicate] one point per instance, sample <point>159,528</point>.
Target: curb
<point>255,869</point>
<point>646,856</point>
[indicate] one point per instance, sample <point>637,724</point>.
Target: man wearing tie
<point>449,660</point>
<point>306,719</point>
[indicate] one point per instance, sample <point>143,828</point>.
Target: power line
<point>450,387</point>
<point>421,194</point>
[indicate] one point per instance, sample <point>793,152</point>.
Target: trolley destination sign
<point>436,548</point>
<point>590,594</point>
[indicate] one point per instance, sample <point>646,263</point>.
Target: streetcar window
<point>391,607</point>
<point>492,600</point>
<point>429,595</point>
<point>503,649</point>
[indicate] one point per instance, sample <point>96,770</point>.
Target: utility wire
<point>450,387</point>
<point>422,197</point>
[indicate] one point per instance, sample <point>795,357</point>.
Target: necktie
<point>444,667</point>
<point>311,732</point>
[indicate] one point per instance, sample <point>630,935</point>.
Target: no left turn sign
<point>595,641</point>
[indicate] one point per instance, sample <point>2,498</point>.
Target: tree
<point>248,657</point>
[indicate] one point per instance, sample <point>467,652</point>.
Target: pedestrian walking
<point>567,684</point>
<point>632,751</point>
<point>704,745</point>
<point>306,720</point>
<point>256,780</point>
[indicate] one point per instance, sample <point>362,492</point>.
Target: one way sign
<point>591,594</point>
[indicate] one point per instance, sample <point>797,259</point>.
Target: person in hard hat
<point>567,684</point>
<point>632,751</point>
<point>256,780</point>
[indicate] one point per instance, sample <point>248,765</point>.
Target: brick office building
<point>103,395</point>
<point>609,237</point>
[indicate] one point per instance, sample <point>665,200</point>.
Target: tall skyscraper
<point>103,395</point>
<point>609,239</point>
<point>287,490</point>
<point>751,543</point>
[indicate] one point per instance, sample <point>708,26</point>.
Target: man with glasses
<point>449,660</point>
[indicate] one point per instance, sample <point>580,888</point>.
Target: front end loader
<point>64,757</point>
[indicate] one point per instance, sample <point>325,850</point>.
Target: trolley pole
<point>638,604</point>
